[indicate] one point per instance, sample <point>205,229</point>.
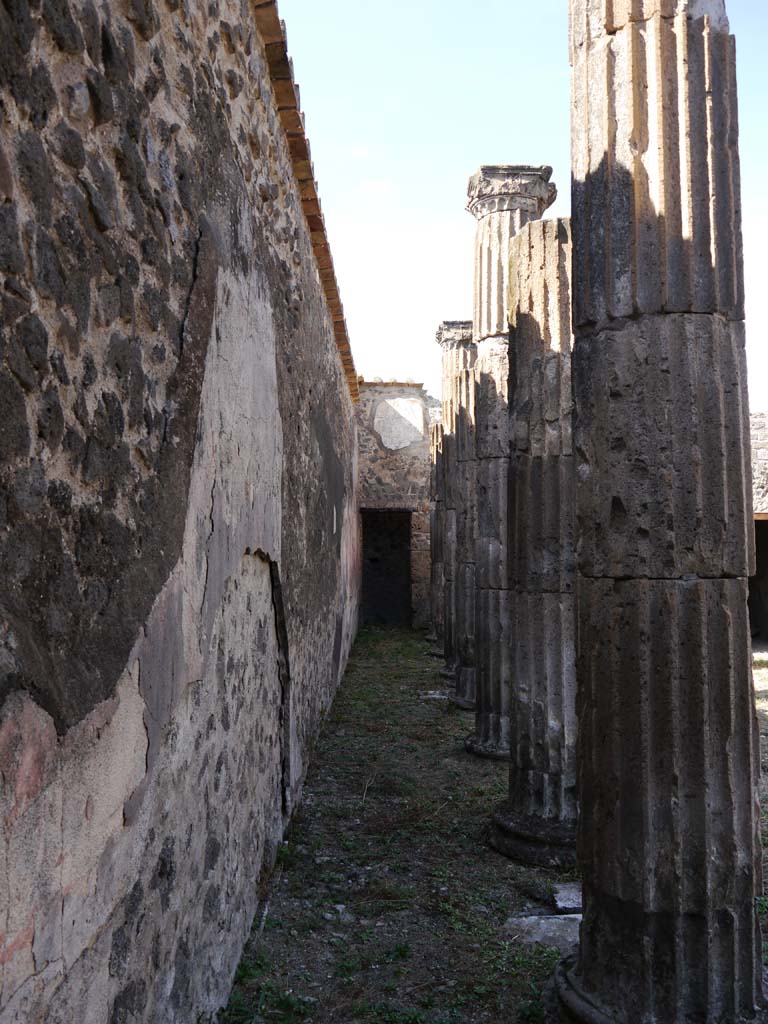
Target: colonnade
<point>594,495</point>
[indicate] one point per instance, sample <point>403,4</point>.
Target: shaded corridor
<point>386,568</point>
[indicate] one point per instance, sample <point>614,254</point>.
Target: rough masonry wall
<point>178,509</point>
<point>393,420</point>
<point>758,428</point>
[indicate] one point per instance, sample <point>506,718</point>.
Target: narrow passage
<point>387,906</point>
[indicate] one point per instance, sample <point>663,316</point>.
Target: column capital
<point>496,188</point>
<point>452,333</point>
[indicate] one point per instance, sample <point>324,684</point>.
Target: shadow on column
<point>537,823</point>
<point>462,483</point>
<point>493,611</point>
<point>668,744</point>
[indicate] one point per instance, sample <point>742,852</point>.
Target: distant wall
<point>758,423</point>
<point>758,584</point>
<point>178,508</point>
<point>393,434</point>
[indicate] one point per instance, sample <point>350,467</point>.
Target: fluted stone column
<point>436,532</point>
<point>538,821</point>
<point>465,499</point>
<point>502,199</point>
<point>668,743</point>
<point>458,354</point>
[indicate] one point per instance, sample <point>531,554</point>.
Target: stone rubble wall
<point>758,423</point>
<point>178,502</point>
<point>393,429</point>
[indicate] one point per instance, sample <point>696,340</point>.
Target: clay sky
<point>404,100</point>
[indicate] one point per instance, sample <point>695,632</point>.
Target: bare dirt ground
<point>387,904</point>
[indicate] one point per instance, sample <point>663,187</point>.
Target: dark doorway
<point>386,568</point>
<point>758,584</point>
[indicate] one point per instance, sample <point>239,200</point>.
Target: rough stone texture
<point>502,199</point>
<point>590,19</point>
<point>178,506</point>
<point>455,339</point>
<point>393,420</point>
<point>672,495</point>
<point>567,898</point>
<point>758,430</point>
<point>458,359</point>
<point>663,211</point>
<point>758,583</point>
<point>686,718</point>
<point>668,742</point>
<point>393,427</point>
<point>538,821</point>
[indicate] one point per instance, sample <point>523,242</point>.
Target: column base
<point>548,844</point>
<point>447,673</point>
<point>574,1005</point>
<point>461,702</point>
<point>464,695</point>
<point>486,748</point>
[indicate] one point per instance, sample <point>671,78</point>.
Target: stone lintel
<point>496,188</point>
<point>377,383</point>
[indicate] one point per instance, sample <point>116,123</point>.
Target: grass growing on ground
<point>388,905</point>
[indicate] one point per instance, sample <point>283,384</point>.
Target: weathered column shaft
<point>455,340</point>
<point>502,199</point>
<point>465,483</point>
<point>538,821</point>
<point>437,531</point>
<point>668,744</point>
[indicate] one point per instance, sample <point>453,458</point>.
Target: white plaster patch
<point>399,422</point>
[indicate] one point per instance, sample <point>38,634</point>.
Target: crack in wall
<point>190,293</point>
<point>208,539</point>
<point>284,676</point>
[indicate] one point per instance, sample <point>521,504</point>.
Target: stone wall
<point>758,423</point>
<point>393,420</point>
<point>178,509</point>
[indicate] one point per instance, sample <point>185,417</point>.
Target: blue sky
<point>405,100</point>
